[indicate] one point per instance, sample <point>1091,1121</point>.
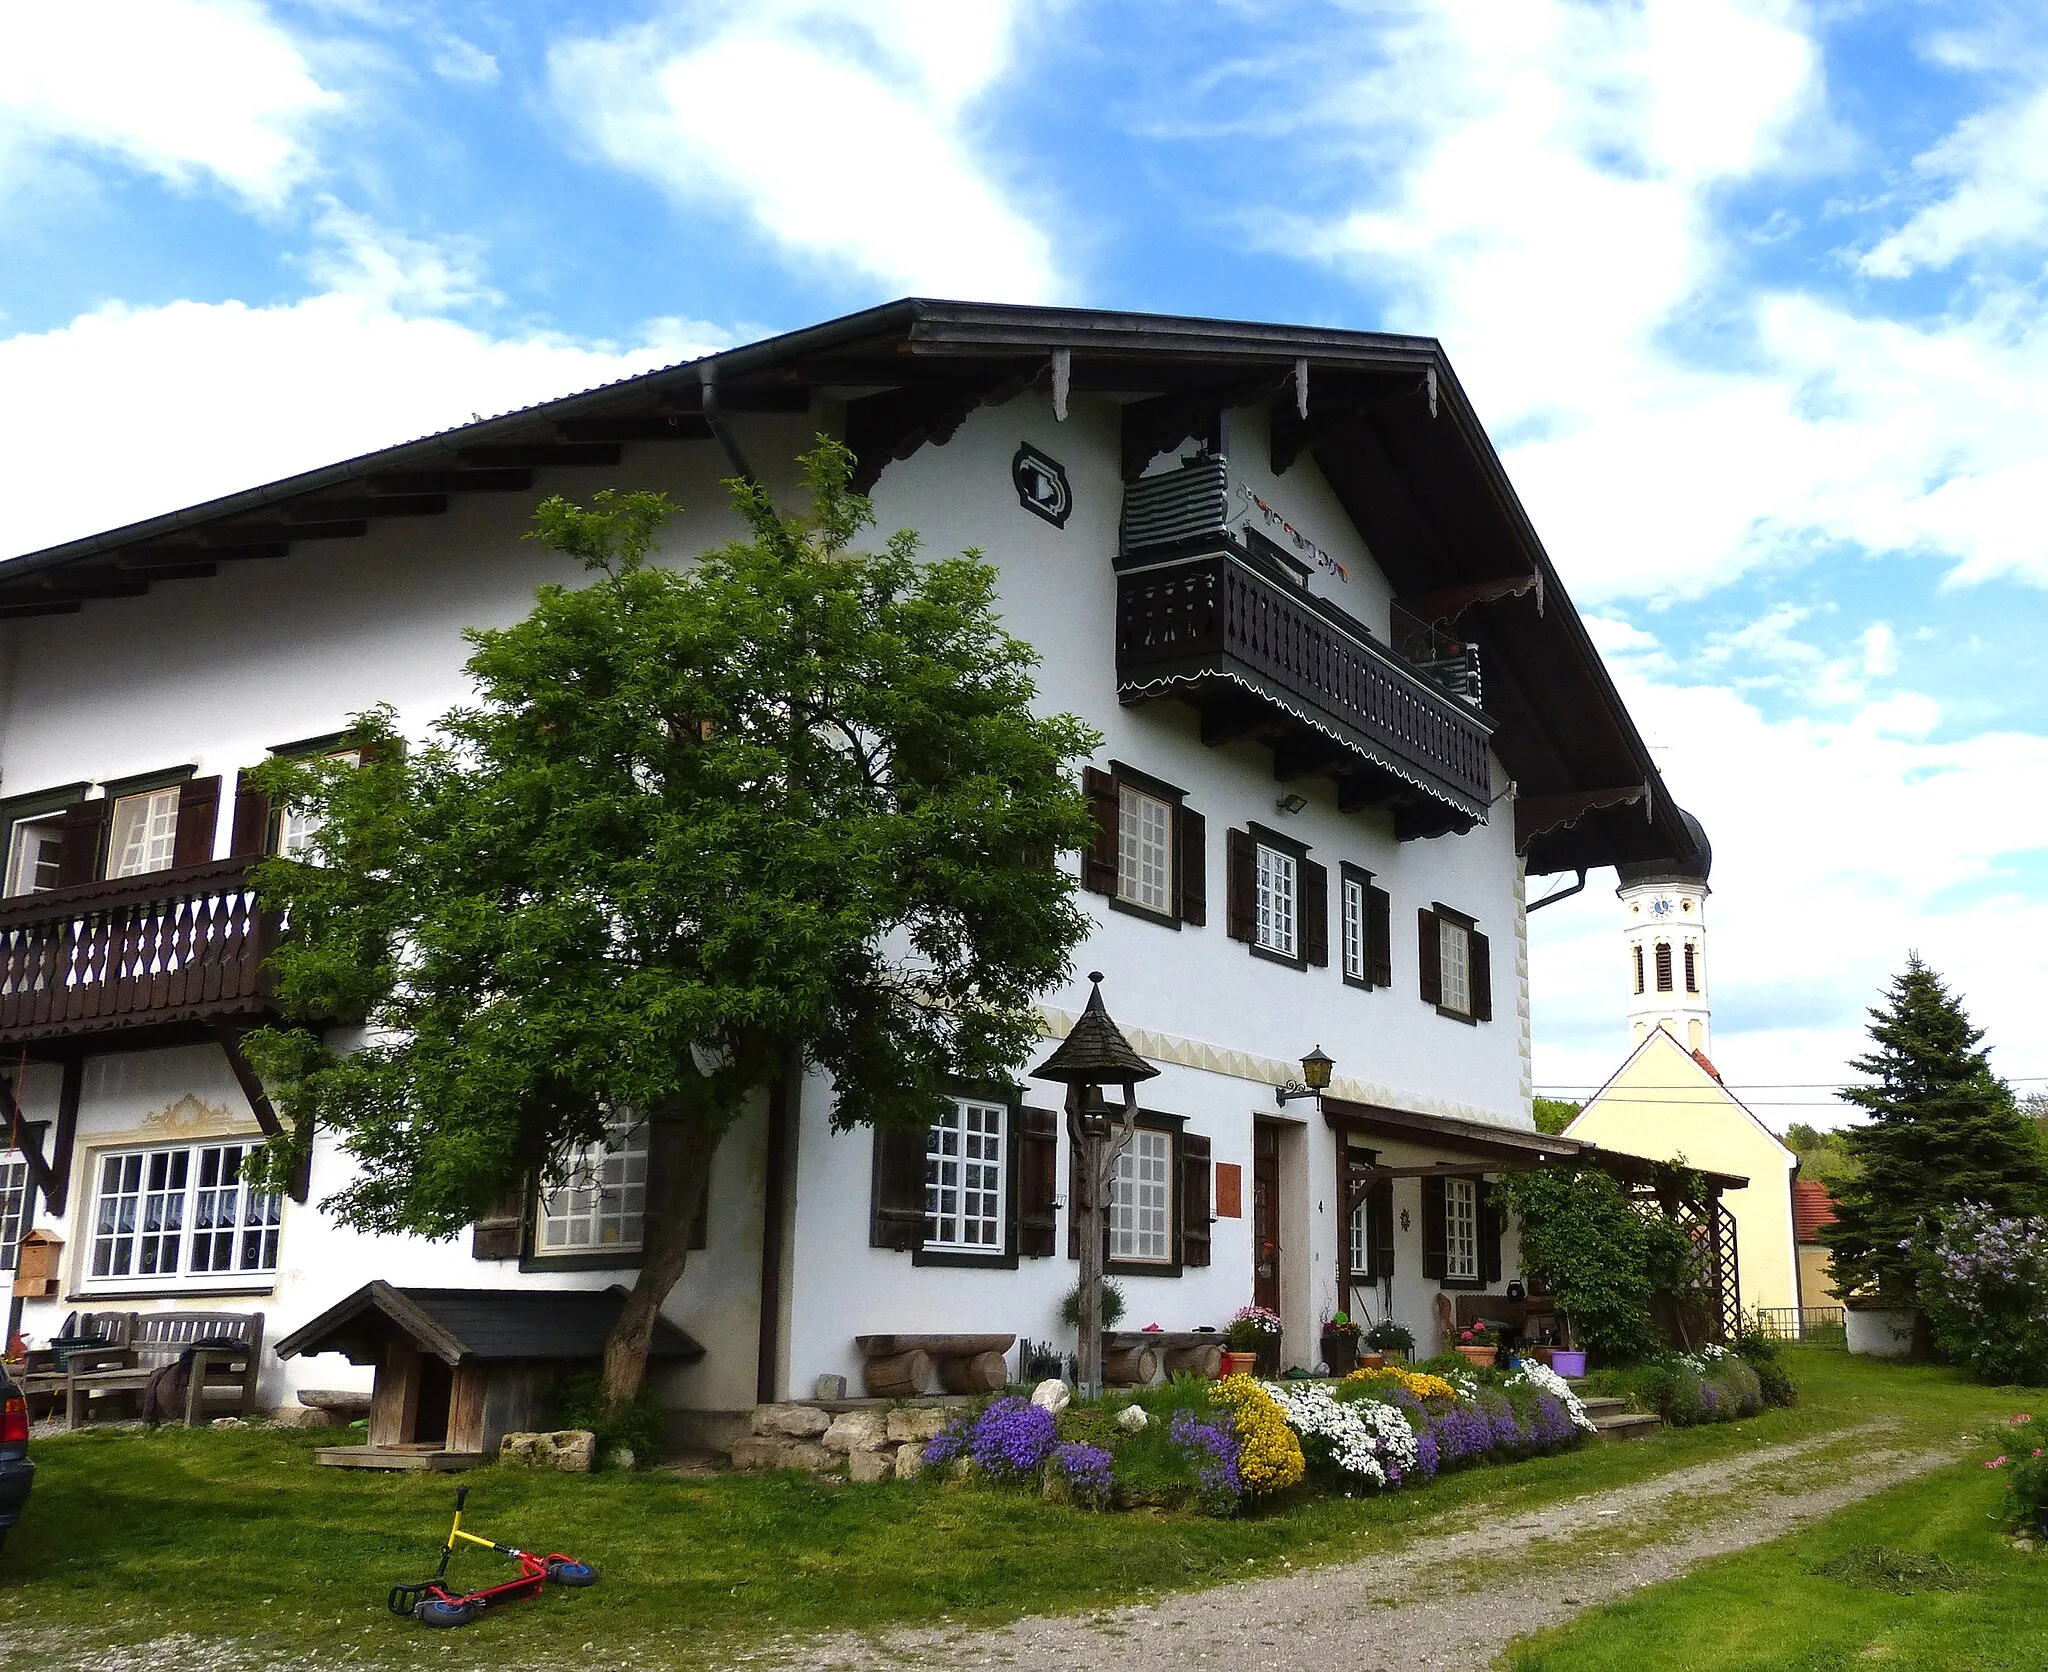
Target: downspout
<point>1561,894</point>
<point>714,416</point>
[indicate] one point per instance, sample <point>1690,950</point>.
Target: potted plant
<point>1388,1339</point>
<point>1254,1337</point>
<point>1340,1344</point>
<point>1479,1344</point>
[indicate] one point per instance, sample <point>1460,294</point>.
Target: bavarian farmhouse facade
<point>1349,712</point>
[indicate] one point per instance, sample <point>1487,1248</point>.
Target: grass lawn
<point>1919,1576</point>
<point>239,1534</point>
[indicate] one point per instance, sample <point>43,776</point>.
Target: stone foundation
<point>858,1439</point>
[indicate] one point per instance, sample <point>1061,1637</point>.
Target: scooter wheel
<point>435,1612</point>
<point>572,1573</point>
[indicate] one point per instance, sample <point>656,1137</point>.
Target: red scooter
<point>432,1603</point>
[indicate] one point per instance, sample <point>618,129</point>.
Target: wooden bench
<point>227,1355</point>
<point>901,1366</point>
<point>44,1378</point>
<point>1132,1358</point>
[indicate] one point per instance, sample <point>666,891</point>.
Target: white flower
<point>1365,1438</point>
<point>1546,1380</point>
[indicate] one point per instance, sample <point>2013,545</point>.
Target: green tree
<point>700,831</point>
<point>1823,1156</point>
<point>1943,1130</point>
<point>1554,1114</point>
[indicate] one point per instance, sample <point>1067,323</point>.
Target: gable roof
<point>1812,1207</point>
<point>1387,423</point>
<point>458,1324</point>
<point>1697,1063</point>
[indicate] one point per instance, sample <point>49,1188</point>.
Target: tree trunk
<point>679,1152</point>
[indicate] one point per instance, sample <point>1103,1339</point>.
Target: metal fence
<point>1819,1326</point>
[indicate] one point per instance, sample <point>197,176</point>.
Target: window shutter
<point>1663,966</point>
<point>1379,1227</point>
<point>1315,914</point>
<point>1194,1199</point>
<point>1489,1230</point>
<point>1191,856</point>
<point>1692,968</point>
<point>897,1201</point>
<point>1480,975</point>
<point>1099,859</point>
<point>501,1233</point>
<point>1379,937</point>
<point>1638,952</point>
<point>84,841</point>
<point>1038,1182</point>
<point>251,836</point>
<point>1241,866</point>
<point>1429,966</point>
<point>1433,1228</point>
<point>198,818</point>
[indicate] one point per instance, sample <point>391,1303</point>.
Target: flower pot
<point>1340,1352</point>
<point>1567,1361</point>
<point>1484,1357</point>
<point>1240,1364</point>
<point>1371,1361</point>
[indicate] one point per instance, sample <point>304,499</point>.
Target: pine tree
<point>1943,1130</point>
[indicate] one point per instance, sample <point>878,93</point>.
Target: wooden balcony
<point>145,960</point>
<point>1267,660</point>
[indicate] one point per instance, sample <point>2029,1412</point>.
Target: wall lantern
<point>1315,1079</point>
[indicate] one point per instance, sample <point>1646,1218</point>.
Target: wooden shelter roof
<point>459,1324</point>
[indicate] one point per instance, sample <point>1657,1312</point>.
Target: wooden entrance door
<point>1266,1215</point>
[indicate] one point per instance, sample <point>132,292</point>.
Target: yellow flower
<point>1268,1453</point>
<point>1409,1381</point>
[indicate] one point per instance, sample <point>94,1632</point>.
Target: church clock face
<point>1660,907</point>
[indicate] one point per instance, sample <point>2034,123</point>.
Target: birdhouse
<point>35,1265</point>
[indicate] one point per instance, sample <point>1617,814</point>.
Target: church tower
<point>1664,924</point>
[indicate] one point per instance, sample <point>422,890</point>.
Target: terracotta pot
<point>1484,1357</point>
<point>1240,1364</point>
<point>1371,1361</point>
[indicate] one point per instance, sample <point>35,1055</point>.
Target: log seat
<point>904,1366</point>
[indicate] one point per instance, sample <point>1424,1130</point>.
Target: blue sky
<point>1750,294</point>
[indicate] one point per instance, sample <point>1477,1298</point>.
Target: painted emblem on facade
<point>1042,485</point>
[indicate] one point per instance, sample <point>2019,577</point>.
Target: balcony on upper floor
<point>1261,658</point>
<point>162,958</point>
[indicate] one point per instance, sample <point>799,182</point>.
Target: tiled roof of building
<point>1812,1207</point>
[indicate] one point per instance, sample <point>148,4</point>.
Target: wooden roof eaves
<point>374,1296</point>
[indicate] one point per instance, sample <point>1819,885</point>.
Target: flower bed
<point>1687,1389</point>
<point>1219,1447</point>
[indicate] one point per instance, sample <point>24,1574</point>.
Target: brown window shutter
<point>1489,1231</point>
<point>1638,951</point>
<point>1194,1199</point>
<point>1099,859</point>
<point>198,819</point>
<point>1663,966</point>
<point>1692,968</point>
<point>897,1189</point>
<point>501,1233</point>
<point>251,837</point>
<point>1191,860</point>
<point>1241,885</point>
<point>84,841</point>
<point>1480,975</point>
<point>1379,1227</point>
<point>1433,1228</point>
<point>1038,1182</point>
<point>1315,914</point>
<point>1429,967</point>
<point>1379,937</point>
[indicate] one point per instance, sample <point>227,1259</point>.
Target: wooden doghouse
<point>459,1369</point>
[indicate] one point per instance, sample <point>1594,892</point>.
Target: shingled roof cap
<point>1095,1053</point>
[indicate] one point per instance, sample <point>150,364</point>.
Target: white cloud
<point>182,89</point>
<point>1996,164</point>
<point>840,128</point>
<point>222,396</point>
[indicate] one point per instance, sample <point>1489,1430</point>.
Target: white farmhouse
<point>1348,710</point>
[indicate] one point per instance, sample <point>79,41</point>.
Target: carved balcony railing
<point>168,952</point>
<point>1214,629</point>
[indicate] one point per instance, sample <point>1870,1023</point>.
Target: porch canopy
<point>465,1325</point>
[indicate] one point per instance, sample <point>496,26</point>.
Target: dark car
<point>17,1473</point>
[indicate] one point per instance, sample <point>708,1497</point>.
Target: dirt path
<point>1450,1599</point>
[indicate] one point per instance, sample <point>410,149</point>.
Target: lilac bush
<point>1984,1284</point>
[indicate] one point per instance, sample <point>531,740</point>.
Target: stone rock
<point>796,1421</point>
<point>1132,1419</point>
<point>620,1457</point>
<point>909,1460</point>
<point>831,1387</point>
<point>1052,1395</point>
<point>851,1430</point>
<point>781,1451</point>
<point>919,1422</point>
<point>572,1450</point>
<point>300,1416</point>
<point>870,1463</point>
<point>228,1422</point>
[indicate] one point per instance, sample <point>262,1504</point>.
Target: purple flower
<point>1011,1440</point>
<point>1087,1471</point>
<point>1210,1443</point>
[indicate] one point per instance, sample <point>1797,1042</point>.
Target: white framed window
<point>966,1208</point>
<point>145,836</point>
<point>1144,850</point>
<point>35,855</point>
<point>1461,1229</point>
<point>1360,1241</point>
<point>172,1215</point>
<point>1141,1200</point>
<point>13,1207</point>
<point>1353,914</point>
<point>600,1206</point>
<point>1278,880</point>
<point>1454,942</point>
<point>296,825</point>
